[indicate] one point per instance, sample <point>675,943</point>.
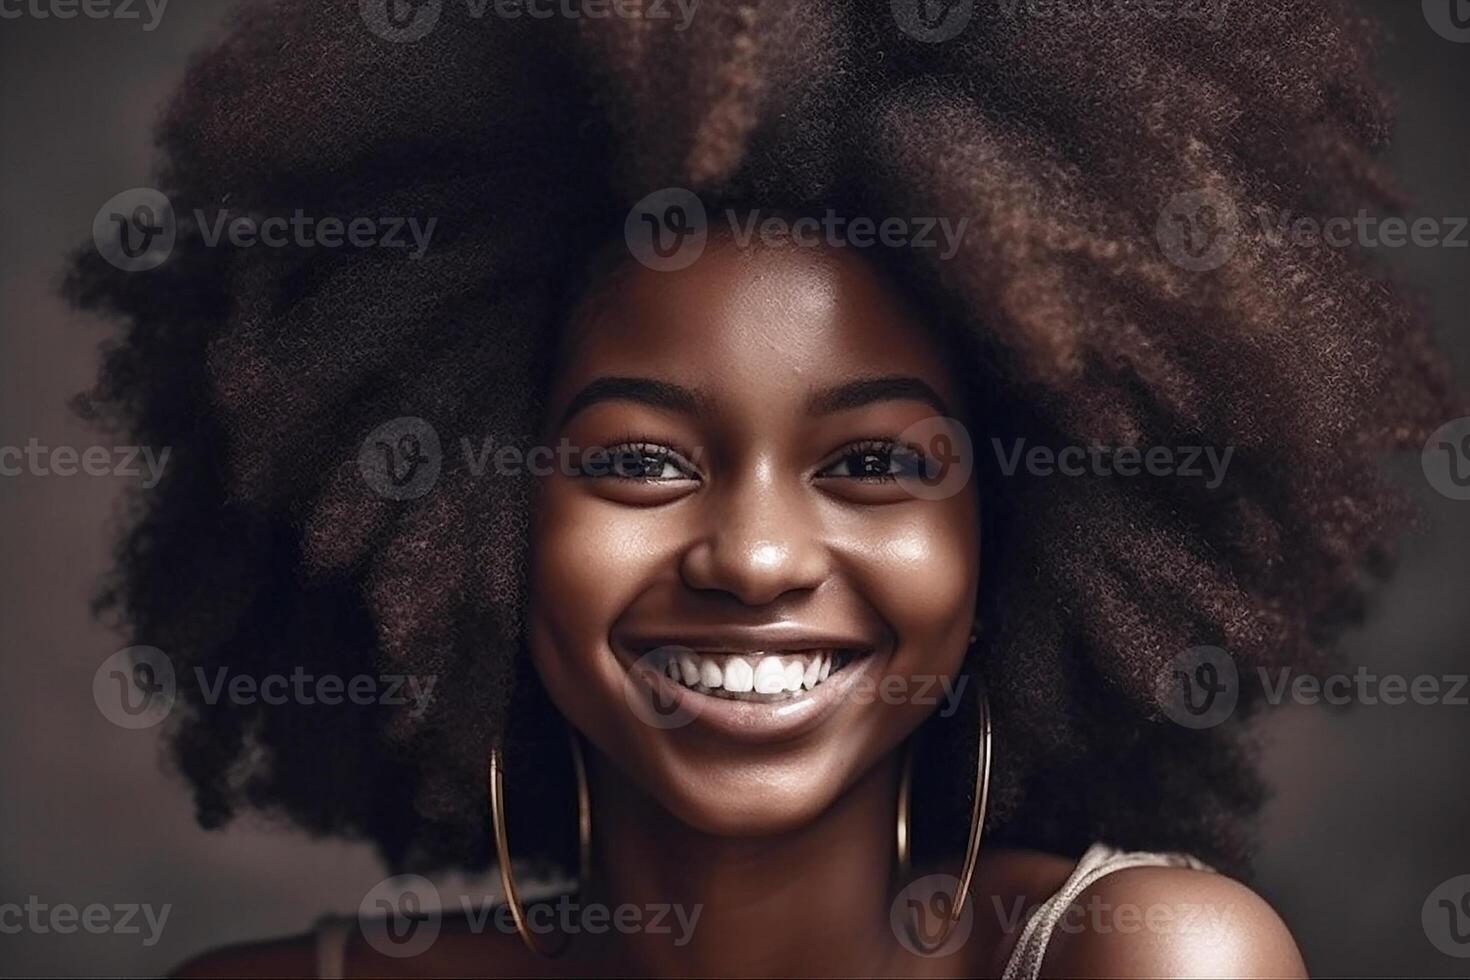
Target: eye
<point>642,461</point>
<point>876,461</point>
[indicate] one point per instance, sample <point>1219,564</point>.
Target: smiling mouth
<point>757,676</point>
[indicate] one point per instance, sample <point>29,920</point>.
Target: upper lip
<point>771,638</point>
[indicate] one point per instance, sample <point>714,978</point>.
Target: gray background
<point>1371,809</point>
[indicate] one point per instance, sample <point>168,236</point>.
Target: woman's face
<point>746,533</point>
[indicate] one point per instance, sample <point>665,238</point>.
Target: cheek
<point>920,569</point>
<point>589,560</point>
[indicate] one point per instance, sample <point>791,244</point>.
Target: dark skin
<point>748,380</point>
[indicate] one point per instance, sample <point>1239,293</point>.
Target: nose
<point>759,542</point>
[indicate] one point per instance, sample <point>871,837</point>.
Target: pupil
<point>874,464</point>
<point>636,464</point>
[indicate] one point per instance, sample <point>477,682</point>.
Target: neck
<point>811,901</point>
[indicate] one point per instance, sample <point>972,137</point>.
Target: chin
<point>749,798</point>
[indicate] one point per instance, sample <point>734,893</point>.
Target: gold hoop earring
<point>977,821</point>
<point>496,785</point>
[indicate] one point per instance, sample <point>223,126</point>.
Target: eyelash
<point>870,447</point>
<point>648,448</point>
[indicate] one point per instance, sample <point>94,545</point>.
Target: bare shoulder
<point>1171,922</point>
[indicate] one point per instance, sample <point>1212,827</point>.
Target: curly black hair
<point>1062,137</point>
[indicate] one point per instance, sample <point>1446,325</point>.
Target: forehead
<point>765,321</point>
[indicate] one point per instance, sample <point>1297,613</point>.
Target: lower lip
<point>763,721</point>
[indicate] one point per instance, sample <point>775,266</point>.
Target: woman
<point>857,682</point>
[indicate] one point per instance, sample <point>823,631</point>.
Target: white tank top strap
<point>1099,861</point>
<point>332,933</point>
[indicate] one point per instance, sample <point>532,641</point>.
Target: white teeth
<point>739,677</point>
<point>764,674</point>
<point>710,674</point>
<point>770,675</point>
<point>689,668</point>
<point>792,675</point>
<point>809,676</point>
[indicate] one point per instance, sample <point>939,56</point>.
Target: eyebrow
<point>677,398</point>
<point>660,394</point>
<point>866,391</point>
